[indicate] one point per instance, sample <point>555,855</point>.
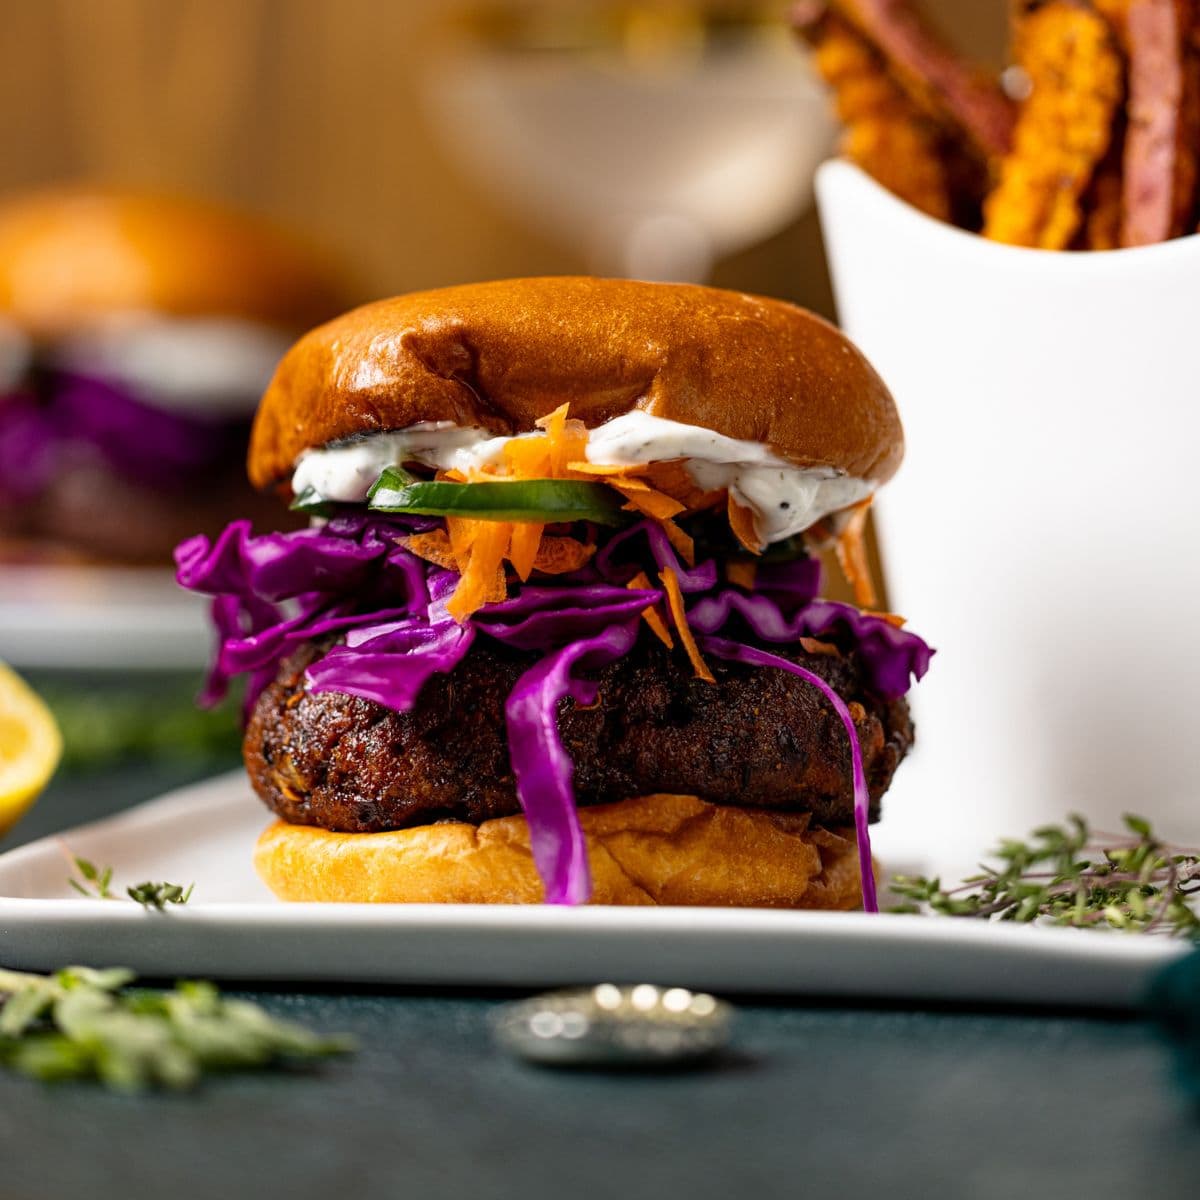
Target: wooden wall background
<point>310,110</point>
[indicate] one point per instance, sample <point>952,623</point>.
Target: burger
<point>136,335</point>
<point>555,629</point>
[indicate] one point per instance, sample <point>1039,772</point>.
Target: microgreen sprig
<point>81,1023</point>
<point>1069,875</point>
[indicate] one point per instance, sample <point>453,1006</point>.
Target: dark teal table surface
<point>814,1101</point>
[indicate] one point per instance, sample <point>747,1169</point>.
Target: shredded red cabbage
<point>166,450</point>
<point>160,448</point>
<point>366,664</point>
<point>736,652</point>
<point>27,438</point>
<point>542,767</point>
<point>892,657</point>
<point>353,581</point>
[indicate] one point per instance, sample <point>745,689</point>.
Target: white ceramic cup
<point>1044,530</point>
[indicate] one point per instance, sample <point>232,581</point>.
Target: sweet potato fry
<point>1187,170</point>
<point>1103,203</point>
<point>884,131</point>
<point>932,75</point>
<point>1064,129</point>
<point>1153,147</point>
<point>1164,120</point>
<point>925,123</point>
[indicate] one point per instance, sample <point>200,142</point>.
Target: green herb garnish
<point>95,880</point>
<point>547,501</point>
<point>84,1024</point>
<point>159,895</point>
<point>96,883</point>
<point>1068,875</point>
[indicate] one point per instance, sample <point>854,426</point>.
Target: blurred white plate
<point>100,618</point>
<point>233,928</point>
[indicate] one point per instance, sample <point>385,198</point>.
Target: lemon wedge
<point>30,747</point>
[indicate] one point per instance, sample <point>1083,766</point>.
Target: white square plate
<point>234,929</point>
<point>100,618</point>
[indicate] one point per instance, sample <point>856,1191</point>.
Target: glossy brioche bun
<point>73,256</point>
<point>500,355</point>
<point>657,850</point>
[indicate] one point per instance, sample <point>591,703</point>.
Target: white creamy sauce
<point>785,499</point>
<point>346,472</point>
<point>217,365</point>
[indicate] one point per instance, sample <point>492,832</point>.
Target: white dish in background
<point>234,929</point>
<point>100,618</point>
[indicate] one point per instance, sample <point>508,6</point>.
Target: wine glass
<point>656,139</point>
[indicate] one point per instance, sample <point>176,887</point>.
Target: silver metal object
<point>612,1026</point>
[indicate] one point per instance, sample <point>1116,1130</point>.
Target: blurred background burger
<point>138,333</point>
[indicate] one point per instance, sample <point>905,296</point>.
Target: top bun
<point>73,256</point>
<point>500,355</point>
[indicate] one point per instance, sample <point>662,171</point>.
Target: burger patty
<point>760,738</point>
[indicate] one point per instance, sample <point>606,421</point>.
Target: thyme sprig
<point>81,1023</point>
<point>1070,875</point>
<point>96,883</point>
<point>159,895</point>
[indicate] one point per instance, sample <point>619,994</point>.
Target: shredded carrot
<point>892,619</point>
<point>590,468</point>
<point>674,478</point>
<point>679,616</point>
<point>566,441</point>
<point>741,573</point>
<point>641,582</point>
<point>482,579</point>
<point>527,458</point>
<point>627,484</point>
<point>683,544</point>
<point>561,555</point>
<point>824,649</point>
<point>741,521</point>
<point>462,532</point>
<point>553,422</point>
<point>649,502</point>
<point>818,537</point>
<point>525,548</point>
<point>433,547</point>
<point>852,555</point>
<point>477,549</point>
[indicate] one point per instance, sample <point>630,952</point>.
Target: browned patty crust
<point>760,738</point>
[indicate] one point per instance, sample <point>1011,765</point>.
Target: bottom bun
<point>656,850</point>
